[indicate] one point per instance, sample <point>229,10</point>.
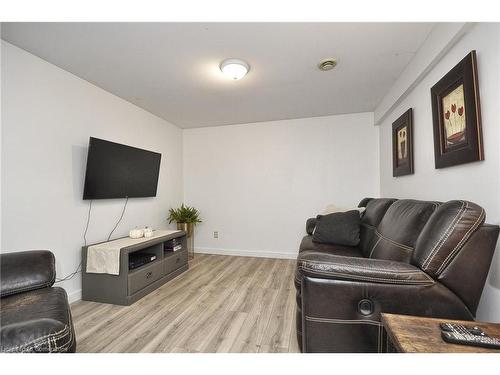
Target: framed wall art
<point>402,145</point>
<point>456,115</point>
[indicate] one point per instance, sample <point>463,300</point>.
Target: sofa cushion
<point>311,222</point>
<point>307,244</point>
<point>375,211</point>
<point>36,321</point>
<point>445,233</point>
<point>339,228</point>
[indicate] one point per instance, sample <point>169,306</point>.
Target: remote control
<point>460,334</point>
<point>452,327</point>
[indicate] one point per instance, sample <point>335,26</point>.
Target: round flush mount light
<point>327,64</point>
<point>234,68</point>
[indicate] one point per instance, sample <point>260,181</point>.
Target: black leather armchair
<point>34,316</point>
<point>414,258</point>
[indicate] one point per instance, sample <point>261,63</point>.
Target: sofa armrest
<point>327,266</point>
<point>26,270</point>
<point>310,225</point>
<point>339,315</point>
<point>341,300</point>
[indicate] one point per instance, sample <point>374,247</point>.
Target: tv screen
<point>119,171</point>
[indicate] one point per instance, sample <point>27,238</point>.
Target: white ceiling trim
<point>441,39</point>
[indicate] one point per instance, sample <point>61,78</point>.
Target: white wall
<point>1,131</point>
<point>48,116</point>
<point>256,184</point>
<point>479,181</point>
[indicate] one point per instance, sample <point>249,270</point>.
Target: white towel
<point>105,257</point>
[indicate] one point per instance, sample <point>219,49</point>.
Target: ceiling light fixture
<point>327,64</point>
<point>234,68</point>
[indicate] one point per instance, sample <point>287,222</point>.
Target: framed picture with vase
<point>456,115</point>
<point>402,145</point>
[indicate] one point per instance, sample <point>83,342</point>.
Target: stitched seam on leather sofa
<point>342,321</point>
<point>395,243</point>
<point>42,340</point>
<point>368,225</point>
<point>445,236</point>
<point>63,332</point>
<point>54,348</point>
<point>449,234</point>
<point>306,261</point>
<point>466,236</point>
<point>28,288</point>
<point>66,345</point>
<point>34,345</point>
<point>374,246</point>
<point>369,278</point>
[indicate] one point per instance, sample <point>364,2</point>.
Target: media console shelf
<point>131,285</point>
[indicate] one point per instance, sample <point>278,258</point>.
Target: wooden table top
<point>414,334</point>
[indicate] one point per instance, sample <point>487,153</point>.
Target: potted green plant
<point>186,218</point>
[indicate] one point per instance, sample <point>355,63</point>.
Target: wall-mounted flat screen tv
<point>119,171</point>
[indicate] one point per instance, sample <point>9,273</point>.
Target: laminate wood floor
<point>221,304</point>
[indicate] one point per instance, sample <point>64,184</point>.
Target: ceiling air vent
<point>327,64</point>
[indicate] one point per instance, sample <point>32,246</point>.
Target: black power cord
<point>71,275</point>
<point>87,226</point>
<point>120,219</point>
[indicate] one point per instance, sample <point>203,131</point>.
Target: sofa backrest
<point>444,235</point>
<point>400,228</point>
<point>395,235</point>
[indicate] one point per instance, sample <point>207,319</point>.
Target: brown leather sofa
<point>415,258</point>
<point>34,316</point>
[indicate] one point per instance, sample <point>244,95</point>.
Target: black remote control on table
<point>474,336</point>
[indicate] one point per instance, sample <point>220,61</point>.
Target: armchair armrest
<point>26,270</point>
<point>310,225</point>
<point>327,266</point>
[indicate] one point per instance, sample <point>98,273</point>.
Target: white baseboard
<point>75,296</point>
<point>246,253</point>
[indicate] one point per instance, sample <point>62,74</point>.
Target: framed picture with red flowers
<point>456,115</point>
<point>402,145</point>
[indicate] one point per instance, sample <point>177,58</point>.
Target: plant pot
<point>189,229</point>
<point>186,227</point>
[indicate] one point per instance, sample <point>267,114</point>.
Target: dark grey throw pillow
<point>339,228</point>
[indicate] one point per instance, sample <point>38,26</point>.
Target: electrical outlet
<point>216,234</point>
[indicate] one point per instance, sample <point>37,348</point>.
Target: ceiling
<point>171,69</point>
